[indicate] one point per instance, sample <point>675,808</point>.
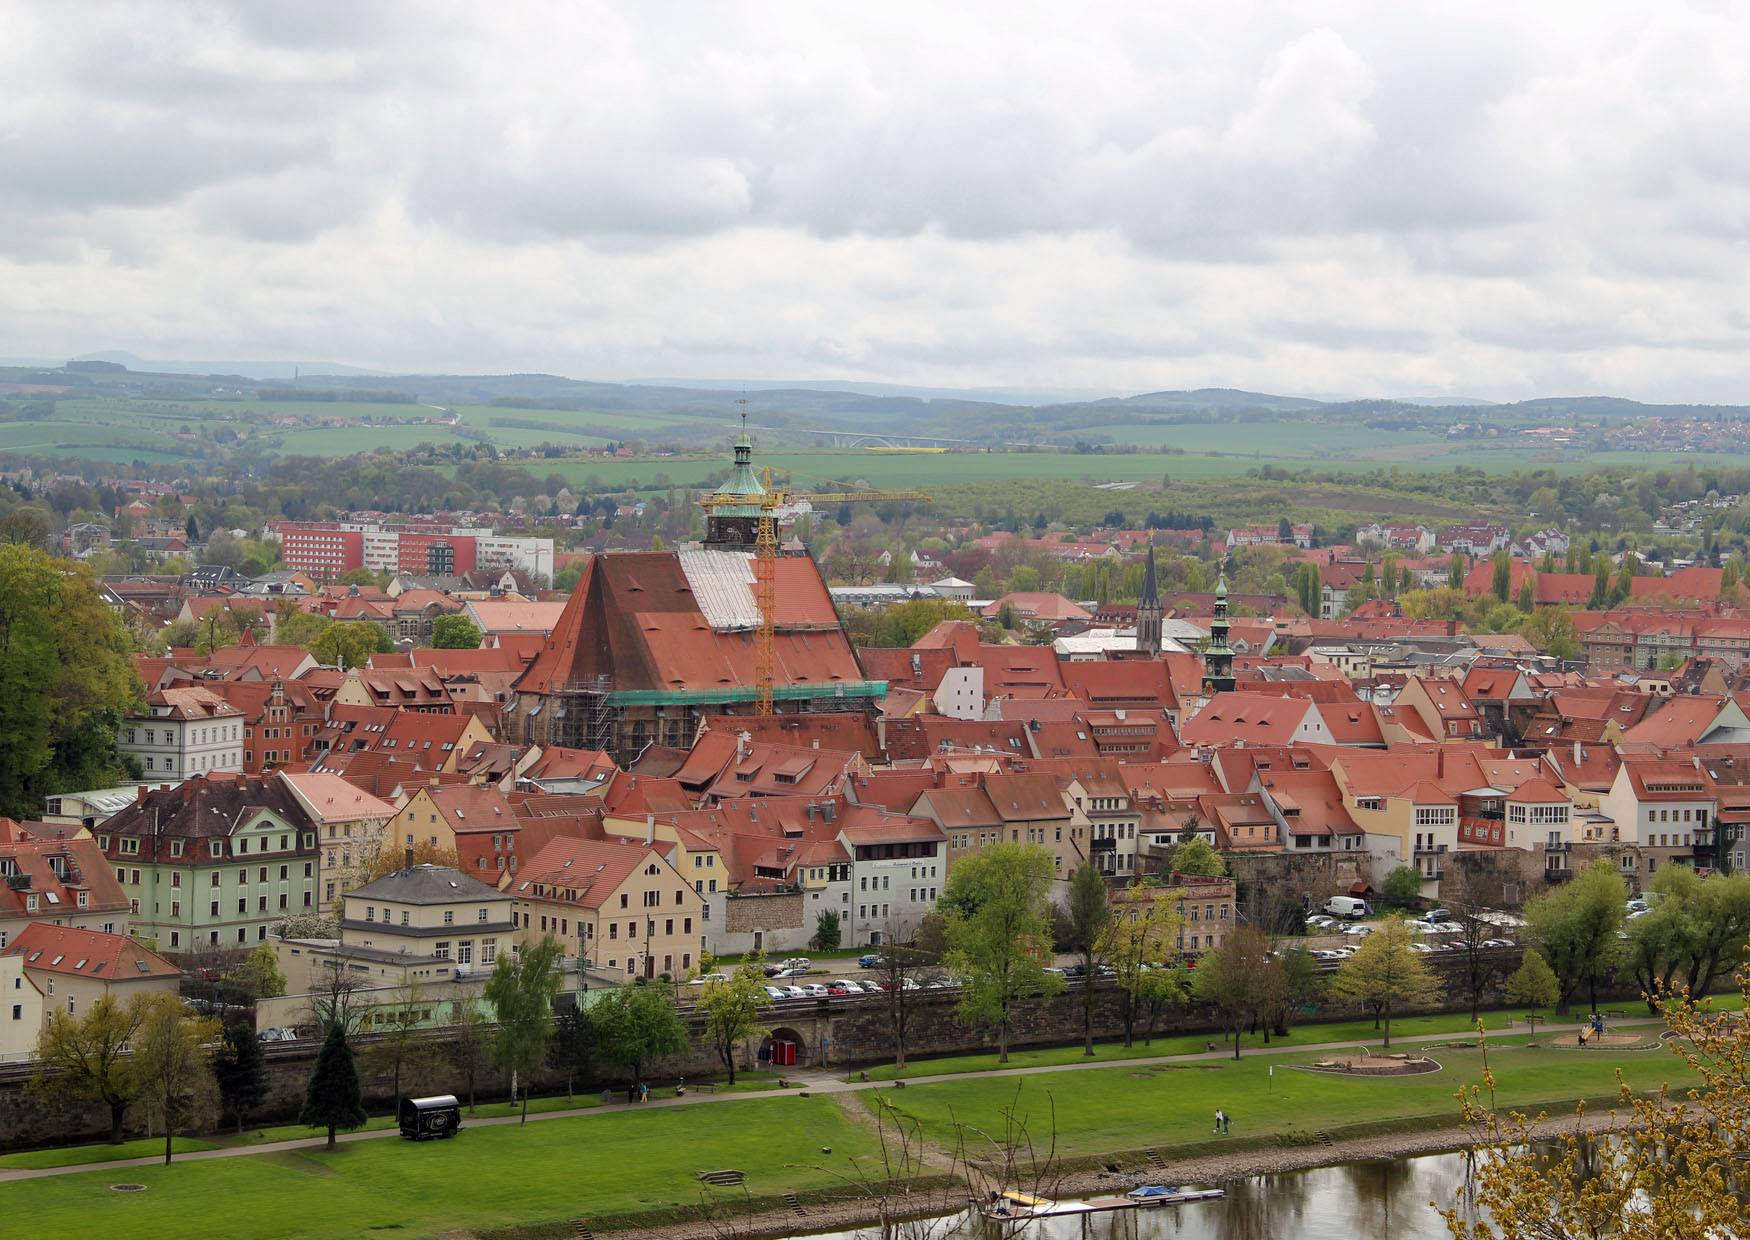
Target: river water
<point>1378,1200</point>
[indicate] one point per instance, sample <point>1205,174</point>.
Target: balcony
<point>1561,875</point>
<point>1429,850</point>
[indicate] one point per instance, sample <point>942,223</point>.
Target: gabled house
<point>620,904</point>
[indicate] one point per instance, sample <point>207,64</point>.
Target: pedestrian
<point>1219,1117</point>
<point>1582,1035</point>
<point>1226,1119</point>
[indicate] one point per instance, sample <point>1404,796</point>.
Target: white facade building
<point>184,731</point>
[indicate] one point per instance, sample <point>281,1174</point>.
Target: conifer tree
<point>333,1100</point>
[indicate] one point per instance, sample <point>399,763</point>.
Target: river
<point>1377,1200</point>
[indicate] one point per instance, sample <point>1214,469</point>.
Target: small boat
<point>1148,1195</point>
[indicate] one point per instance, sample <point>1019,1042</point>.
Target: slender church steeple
<point>732,520</point>
<point>1218,656</point>
<point>1148,611</point>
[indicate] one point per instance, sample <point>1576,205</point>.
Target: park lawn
<point>1347,1031</point>
<point>73,1155</point>
<point>582,1100</point>
<point>1109,1110</point>
<point>597,1167</point>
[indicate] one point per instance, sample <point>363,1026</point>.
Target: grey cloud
<point>1489,197</point>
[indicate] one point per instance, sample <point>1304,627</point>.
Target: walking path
<point>813,1080</point>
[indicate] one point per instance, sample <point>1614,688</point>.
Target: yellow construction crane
<point>765,544</point>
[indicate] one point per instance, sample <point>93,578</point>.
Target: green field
<point>627,1163</point>
<point>1167,1106</point>
<point>124,430</point>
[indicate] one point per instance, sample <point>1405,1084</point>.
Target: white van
<point>1347,906</point>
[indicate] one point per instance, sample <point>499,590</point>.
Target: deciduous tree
<point>1403,886</point>
<point>399,1046</point>
<point>1575,928</point>
<point>1385,975</point>
<point>1196,856</point>
<point>1089,917</point>
<point>260,973</point>
<point>638,1023</point>
<point>66,680</point>
<point>170,1068</point>
<point>1141,936</point>
<point>351,643</point>
<point>1533,985</point>
<point>1237,980</point>
<point>85,1056</point>
<point>1666,1168</point>
<point>999,933</point>
<point>521,991</point>
<point>455,633</point>
<point>732,1008</point>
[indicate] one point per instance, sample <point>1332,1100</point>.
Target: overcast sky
<point>1397,198</point>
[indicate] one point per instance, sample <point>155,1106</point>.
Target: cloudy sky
<point>1398,198</point>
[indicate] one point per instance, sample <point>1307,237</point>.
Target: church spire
<point>1218,656</point>
<point>1148,611</point>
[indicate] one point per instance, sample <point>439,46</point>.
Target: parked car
<point>777,992</point>
<point>1496,943</point>
<point>1347,907</point>
<point>277,1034</point>
<point>794,992</point>
<point>1359,929</point>
<point>790,973</point>
<point>1319,921</point>
<point>1423,947</point>
<point>705,978</point>
<point>816,990</point>
<point>1437,914</point>
<point>873,960</point>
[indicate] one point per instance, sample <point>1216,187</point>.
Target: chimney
<point>1579,754</point>
<point>140,793</point>
<point>408,856</point>
<point>650,828</point>
<point>830,810</point>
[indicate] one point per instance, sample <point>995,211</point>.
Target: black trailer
<point>425,1118</point>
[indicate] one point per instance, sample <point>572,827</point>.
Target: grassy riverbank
<point>596,1166</point>
<point>634,1164</point>
<point>1172,1106</point>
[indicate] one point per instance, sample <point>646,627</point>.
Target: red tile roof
<point>88,953</point>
